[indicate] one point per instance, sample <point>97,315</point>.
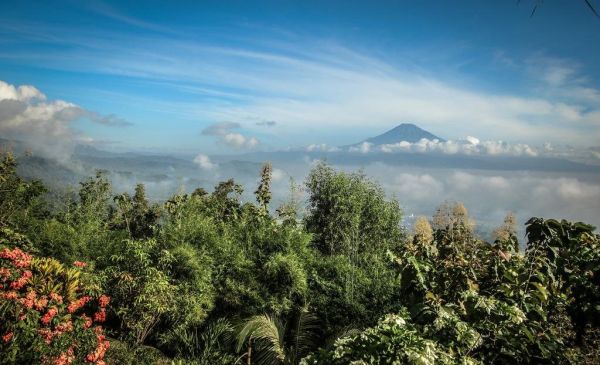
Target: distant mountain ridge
<point>404,132</point>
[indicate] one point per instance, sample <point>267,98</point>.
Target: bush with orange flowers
<point>49,310</point>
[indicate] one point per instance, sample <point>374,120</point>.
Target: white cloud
<point>278,174</point>
<point>237,140</point>
<point>472,140</point>
<point>46,126</point>
<point>322,147</point>
<point>364,147</point>
<point>470,146</point>
<point>224,130</point>
<point>394,147</point>
<point>234,139</point>
<point>21,93</point>
<point>204,162</point>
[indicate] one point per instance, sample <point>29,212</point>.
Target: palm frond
<point>345,332</point>
<point>219,330</point>
<point>266,334</point>
<point>303,335</point>
<point>216,335</point>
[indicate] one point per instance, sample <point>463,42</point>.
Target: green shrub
<point>49,315</point>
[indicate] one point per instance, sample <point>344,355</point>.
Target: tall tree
<point>263,192</point>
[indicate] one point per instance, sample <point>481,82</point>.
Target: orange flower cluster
<point>29,300</point>
<point>65,358</point>
<point>47,334</point>
<point>46,318</point>
<point>103,300</point>
<point>11,295</point>
<point>41,303</point>
<point>87,321</point>
<point>76,304</point>
<point>80,264</point>
<point>97,355</point>
<point>19,258</point>
<point>18,291</point>
<point>56,297</point>
<point>7,337</point>
<point>100,316</point>
<point>20,282</point>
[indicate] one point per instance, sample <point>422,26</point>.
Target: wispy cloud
<point>308,84</point>
<point>266,123</point>
<point>220,129</point>
<point>109,120</point>
<point>105,9</point>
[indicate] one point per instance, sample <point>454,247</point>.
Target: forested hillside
<point>106,277</point>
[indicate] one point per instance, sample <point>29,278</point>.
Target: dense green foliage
<point>204,278</point>
<point>488,303</point>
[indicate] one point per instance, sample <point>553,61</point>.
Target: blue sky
<point>230,76</point>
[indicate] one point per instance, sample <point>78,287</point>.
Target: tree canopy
<point>205,278</point>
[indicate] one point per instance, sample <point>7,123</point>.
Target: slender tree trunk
<point>249,354</point>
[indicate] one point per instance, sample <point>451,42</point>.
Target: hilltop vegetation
<point>206,279</point>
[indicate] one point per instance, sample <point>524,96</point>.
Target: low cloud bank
<point>322,147</point>
<point>490,195</point>
<point>470,146</point>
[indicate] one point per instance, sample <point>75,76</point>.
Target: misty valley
<point>326,269</point>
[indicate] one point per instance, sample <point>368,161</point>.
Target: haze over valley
<point>420,169</point>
